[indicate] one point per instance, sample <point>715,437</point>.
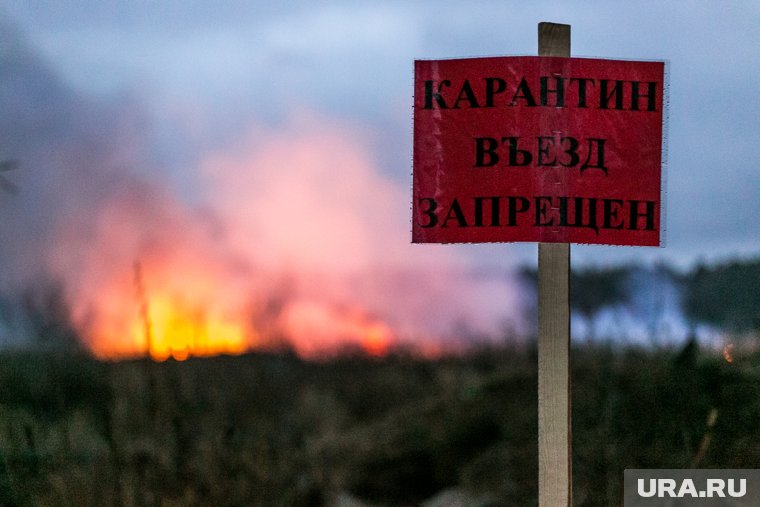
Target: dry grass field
<point>273,430</point>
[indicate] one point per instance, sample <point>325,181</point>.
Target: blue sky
<point>225,64</point>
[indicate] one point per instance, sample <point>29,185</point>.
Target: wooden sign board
<point>539,149</point>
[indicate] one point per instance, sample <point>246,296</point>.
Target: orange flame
<point>316,328</point>
<point>178,313</point>
<point>291,204</point>
<point>177,330</point>
<point>728,353</point>
<point>165,321</point>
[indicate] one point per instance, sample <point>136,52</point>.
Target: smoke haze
<point>294,233</point>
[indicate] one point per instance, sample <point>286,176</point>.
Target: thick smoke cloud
<point>295,234</point>
<point>70,154</point>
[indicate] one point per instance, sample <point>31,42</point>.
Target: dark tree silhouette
<point>726,295</point>
<point>593,289</point>
<point>49,319</point>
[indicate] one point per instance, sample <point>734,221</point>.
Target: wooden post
<point>554,415</point>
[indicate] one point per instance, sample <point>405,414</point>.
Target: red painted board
<point>544,149</point>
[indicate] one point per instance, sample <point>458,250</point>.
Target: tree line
<point>724,296</point>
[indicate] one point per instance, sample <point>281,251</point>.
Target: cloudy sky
<point>208,150</point>
<point>202,74</point>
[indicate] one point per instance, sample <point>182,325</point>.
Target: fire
<point>178,330</point>
<point>297,240</point>
<point>169,313</point>
<point>376,340</point>
<point>180,307</point>
<point>316,328</point>
<point>170,326</point>
<point>728,353</point>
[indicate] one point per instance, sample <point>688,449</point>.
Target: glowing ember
<point>376,339</point>
<point>728,353</point>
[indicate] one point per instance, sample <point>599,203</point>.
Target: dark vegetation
<point>724,296</point>
<point>274,430</point>
<point>271,429</point>
<point>727,295</point>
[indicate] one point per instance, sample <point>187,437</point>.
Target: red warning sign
<point>543,149</point>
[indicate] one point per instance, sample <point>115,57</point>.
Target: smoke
<point>308,200</point>
<point>635,304</point>
<point>298,235</point>
<point>656,306</point>
<point>70,154</point>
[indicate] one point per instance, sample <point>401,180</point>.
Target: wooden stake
<point>554,415</point>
